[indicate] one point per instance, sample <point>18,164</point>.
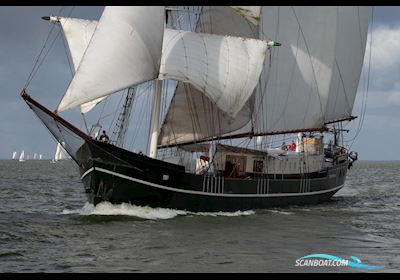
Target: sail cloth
<point>78,33</point>
<point>295,83</point>
<point>194,117</point>
<point>226,69</point>
<point>125,50</point>
<point>352,31</point>
<point>251,13</point>
<point>222,20</point>
<point>203,118</point>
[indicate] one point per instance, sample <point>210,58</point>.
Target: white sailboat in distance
<point>60,154</point>
<point>22,156</point>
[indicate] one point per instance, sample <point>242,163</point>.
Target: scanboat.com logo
<point>329,260</point>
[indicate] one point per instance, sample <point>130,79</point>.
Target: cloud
<point>393,97</point>
<point>385,59</point>
<point>384,87</point>
<point>385,47</point>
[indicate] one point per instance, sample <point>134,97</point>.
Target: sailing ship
<point>14,155</point>
<point>245,78</point>
<point>22,156</point>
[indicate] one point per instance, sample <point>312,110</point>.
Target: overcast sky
<point>22,35</point>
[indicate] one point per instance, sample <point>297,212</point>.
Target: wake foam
<point>144,212</point>
<point>275,211</point>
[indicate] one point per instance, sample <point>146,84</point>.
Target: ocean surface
<point>47,226</point>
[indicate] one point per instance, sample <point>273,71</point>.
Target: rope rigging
<point>41,58</point>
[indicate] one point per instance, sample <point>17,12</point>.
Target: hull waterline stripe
<point>204,193</point>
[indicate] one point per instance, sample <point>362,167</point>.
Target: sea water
<point>46,225</point>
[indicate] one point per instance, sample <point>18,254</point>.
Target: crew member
<point>104,137</point>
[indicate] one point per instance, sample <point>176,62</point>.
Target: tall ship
<point>249,103</point>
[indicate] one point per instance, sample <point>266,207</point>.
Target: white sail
<point>78,33</point>
<point>193,116</point>
<point>40,156</point>
<point>222,20</point>
<point>22,156</point>
<point>14,155</point>
<point>352,31</point>
<point>251,13</point>
<point>35,156</point>
<point>60,153</point>
<point>125,50</point>
<point>225,68</point>
<point>295,83</point>
<point>203,118</point>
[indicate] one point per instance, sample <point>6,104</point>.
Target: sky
<point>23,33</point>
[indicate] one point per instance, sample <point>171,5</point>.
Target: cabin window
<point>235,166</point>
<point>258,166</point>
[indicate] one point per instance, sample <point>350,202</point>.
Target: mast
<point>156,107</point>
<point>155,118</point>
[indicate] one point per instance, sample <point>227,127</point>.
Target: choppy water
<point>46,226</point>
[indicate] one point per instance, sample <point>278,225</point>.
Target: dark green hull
<point>149,182</point>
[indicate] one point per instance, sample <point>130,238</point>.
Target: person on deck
<point>292,147</point>
<point>284,146</point>
<point>104,137</point>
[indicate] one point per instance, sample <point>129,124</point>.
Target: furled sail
<point>226,69</point>
<point>296,78</point>
<point>251,13</point>
<point>78,33</point>
<point>352,31</point>
<point>125,50</point>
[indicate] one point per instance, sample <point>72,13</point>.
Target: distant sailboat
<point>40,156</point>
<point>35,156</point>
<point>14,155</point>
<point>22,156</point>
<point>60,154</point>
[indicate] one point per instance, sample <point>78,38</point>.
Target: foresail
<point>352,32</point>
<point>226,69</point>
<point>251,13</point>
<point>125,50</point>
<point>78,33</point>
<point>295,82</point>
